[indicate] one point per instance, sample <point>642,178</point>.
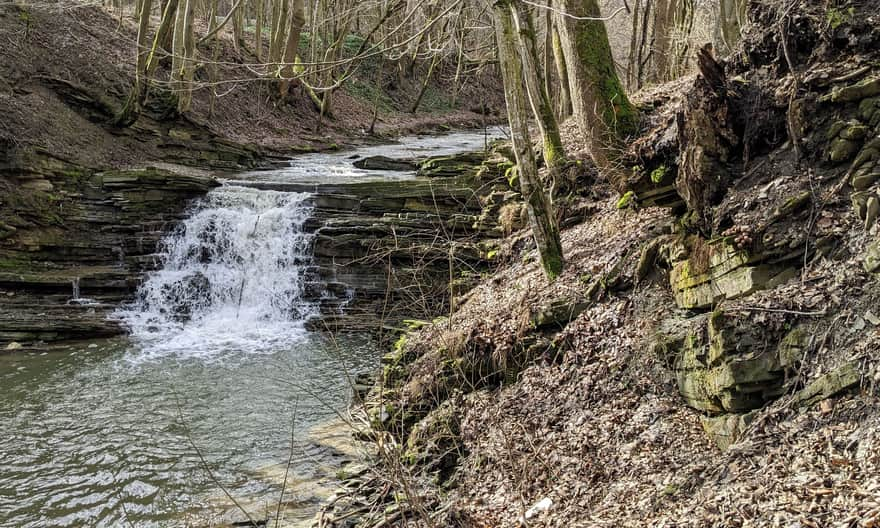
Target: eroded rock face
<point>77,231</point>
<point>718,271</point>
<point>390,243</point>
<point>725,363</point>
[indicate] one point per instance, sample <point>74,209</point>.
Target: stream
<point>218,374</point>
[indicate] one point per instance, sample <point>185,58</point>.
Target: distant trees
<point>316,45</point>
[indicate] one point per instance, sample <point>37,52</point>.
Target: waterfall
<point>231,276</point>
<point>75,298</point>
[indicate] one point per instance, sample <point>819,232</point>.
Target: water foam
<point>231,277</point>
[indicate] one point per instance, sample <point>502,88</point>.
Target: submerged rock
<point>385,163</point>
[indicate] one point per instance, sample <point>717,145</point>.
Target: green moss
<point>552,265</point>
<point>658,174</point>
<point>553,152</point>
<point>414,324</point>
<point>837,17</point>
<point>617,112</point>
<point>512,177</point>
<point>400,344</point>
<point>627,200</point>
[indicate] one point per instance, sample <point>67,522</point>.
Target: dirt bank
<point>712,362</point>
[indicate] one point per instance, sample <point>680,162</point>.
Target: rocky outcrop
<point>75,234</point>
<point>385,163</point>
<point>718,271</point>
<point>386,248</point>
<point>723,362</point>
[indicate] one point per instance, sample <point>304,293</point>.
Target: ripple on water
<point>93,436</point>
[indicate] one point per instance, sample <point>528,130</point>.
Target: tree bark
<point>540,212</point>
<point>601,108</point>
<point>297,20</point>
<point>183,53</point>
<point>564,107</point>
<point>539,100</point>
<point>663,26</point>
<point>258,30</point>
<point>165,29</point>
<point>732,17</point>
<point>132,108</point>
<point>279,21</point>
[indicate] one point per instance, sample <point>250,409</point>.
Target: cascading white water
<point>232,276</point>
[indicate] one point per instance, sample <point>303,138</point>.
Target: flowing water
<point>144,431</point>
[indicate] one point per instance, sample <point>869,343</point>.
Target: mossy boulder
<point>726,363</point>
<point>842,149</point>
<point>726,429</point>
<point>457,165</point>
<point>838,380</point>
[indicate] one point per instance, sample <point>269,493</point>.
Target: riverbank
<point>707,357</point>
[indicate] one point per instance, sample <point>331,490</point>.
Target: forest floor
<point>594,431</point>
<point>615,395</point>
<point>65,70</point>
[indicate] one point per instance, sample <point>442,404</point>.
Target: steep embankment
<point>709,363</point>
<point>66,71</point>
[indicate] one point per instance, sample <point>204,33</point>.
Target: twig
<point>792,133</point>
<point>205,465</point>
<point>289,461</point>
<point>781,310</point>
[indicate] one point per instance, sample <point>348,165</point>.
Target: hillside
<point>66,71</point>
<point>709,363</point>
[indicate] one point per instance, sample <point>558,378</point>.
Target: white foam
<point>232,278</point>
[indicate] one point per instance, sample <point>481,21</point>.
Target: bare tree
<point>601,107</point>
<point>541,217</point>
<point>539,99</point>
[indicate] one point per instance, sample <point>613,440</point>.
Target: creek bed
<point>110,432</point>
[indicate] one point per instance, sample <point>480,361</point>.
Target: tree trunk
<point>297,20</point>
<point>164,30</point>
<point>541,217</point>
<point>554,152</point>
<point>673,23</point>
<point>708,142</point>
<point>663,27</point>
<point>564,108</point>
<point>132,108</point>
<point>237,28</point>
<point>418,101</point>
<point>732,17</point>
<point>548,51</point>
<point>601,107</point>
<point>183,53</point>
<point>681,44</point>
<point>258,30</point>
